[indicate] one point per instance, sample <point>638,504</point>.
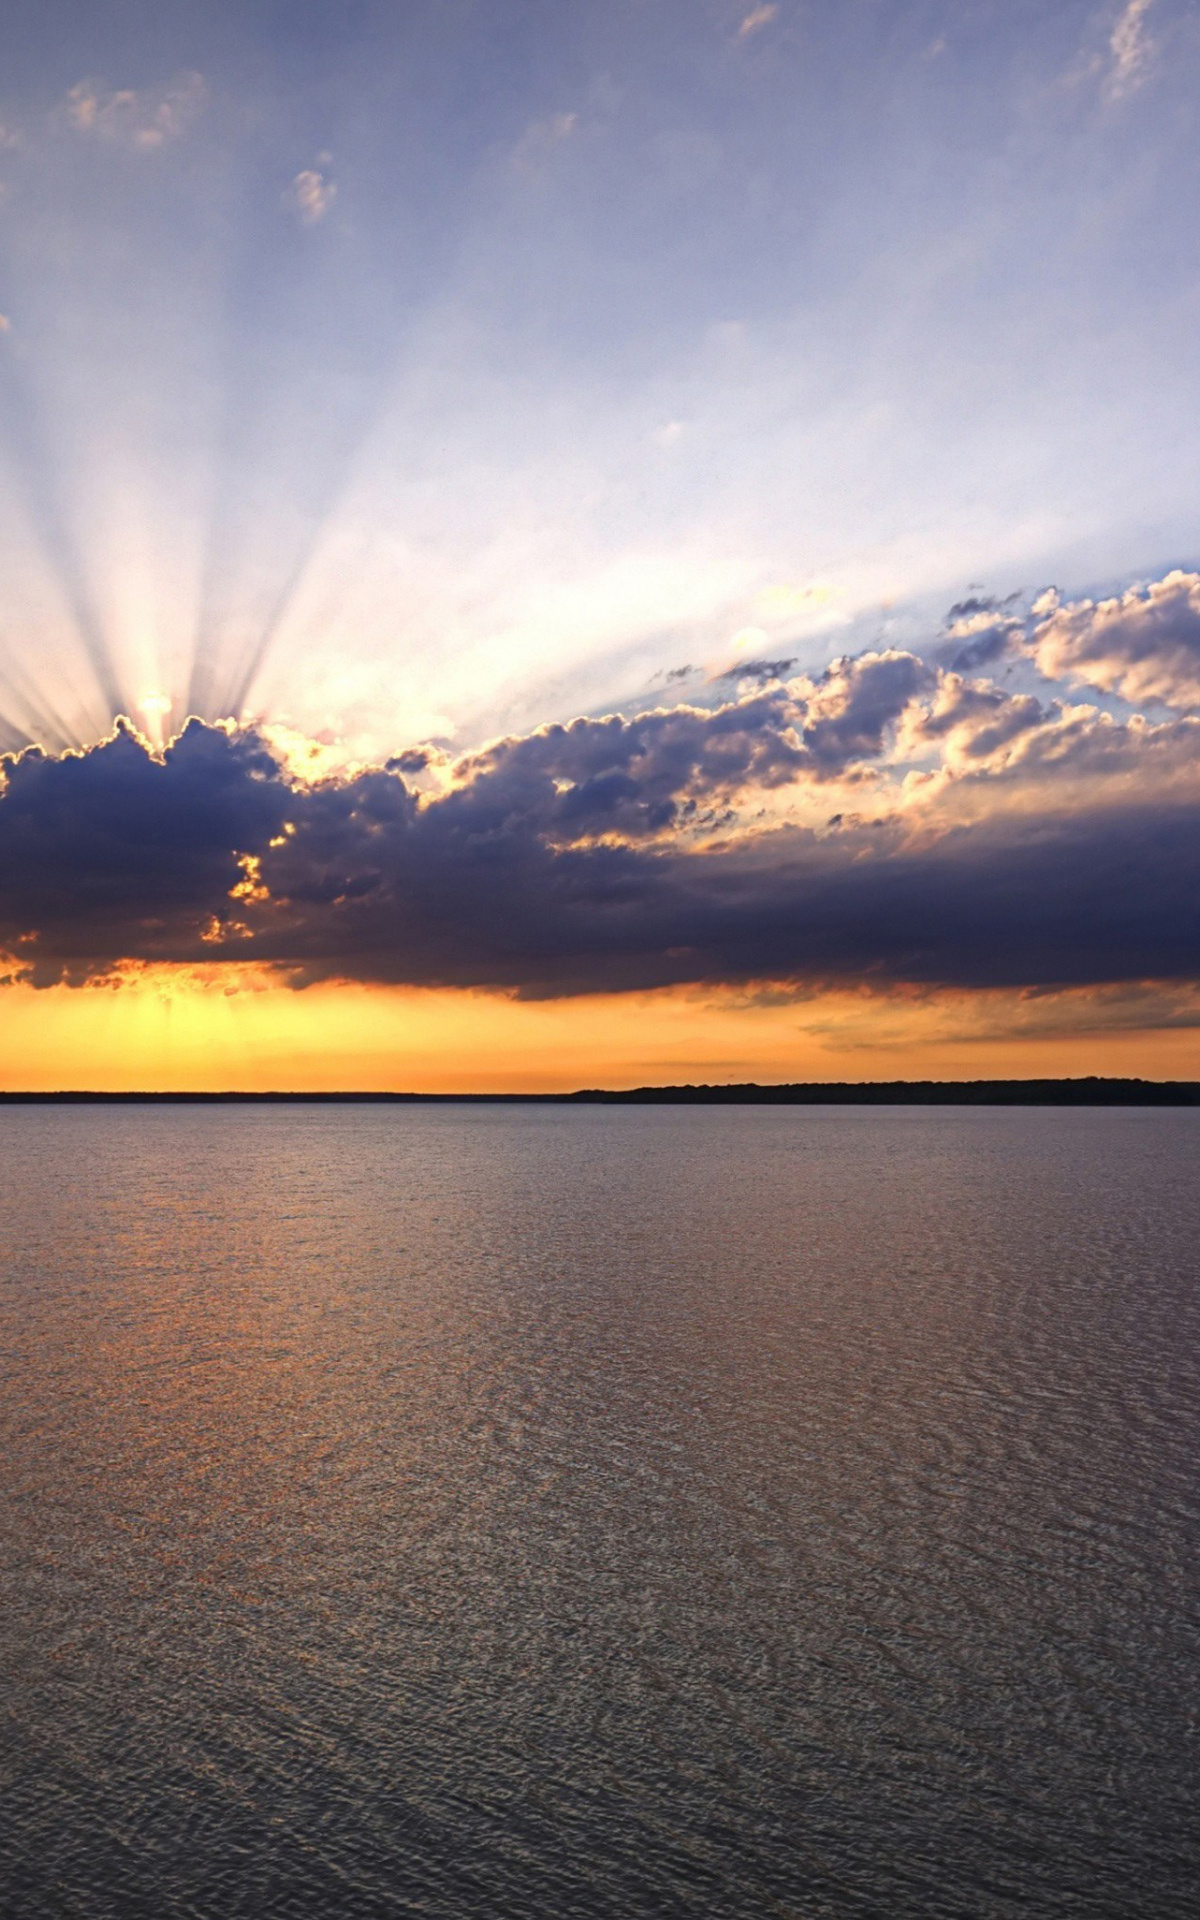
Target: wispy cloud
<point>540,139</point>
<point>310,196</point>
<point>142,119</point>
<point>1131,50</point>
<point>756,19</point>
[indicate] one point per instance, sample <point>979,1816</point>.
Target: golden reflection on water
<point>597,1512</point>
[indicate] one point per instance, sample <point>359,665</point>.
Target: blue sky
<point>433,371</point>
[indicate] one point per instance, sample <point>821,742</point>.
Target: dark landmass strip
<point>1090,1092</point>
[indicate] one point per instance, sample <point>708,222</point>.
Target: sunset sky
<point>568,544</point>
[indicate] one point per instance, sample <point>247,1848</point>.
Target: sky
<point>647,540</point>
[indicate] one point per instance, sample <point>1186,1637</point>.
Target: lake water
<point>599,1512</point>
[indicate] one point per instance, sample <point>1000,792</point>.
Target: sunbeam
<point>24,441</point>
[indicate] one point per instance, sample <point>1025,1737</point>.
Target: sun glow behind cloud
<point>391,475</point>
<point>387,410</point>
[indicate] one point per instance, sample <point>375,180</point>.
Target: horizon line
<point>1076,1090</point>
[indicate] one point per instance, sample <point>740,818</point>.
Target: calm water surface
<point>598,1512</point>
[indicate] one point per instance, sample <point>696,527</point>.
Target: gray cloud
<point>760,670</point>
<point>561,862</point>
<point>111,853</point>
<point>979,630</point>
<point>974,719</point>
<point>851,708</point>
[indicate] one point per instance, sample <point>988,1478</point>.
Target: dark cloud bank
<point>603,855</point>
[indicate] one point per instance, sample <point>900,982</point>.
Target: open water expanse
<point>599,1512</point>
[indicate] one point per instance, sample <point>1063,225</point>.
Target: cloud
<point>659,771</point>
<point>758,670</point>
<point>850,709</point>
<point>631,852</point>
<point>756,20</point>
<point>1143,645</point>
<point>1077,757</point>
<point>310,196</point>
<point>540,139</point>
<point>107,852</point>
<point>971,722</point>
<point>1130,49</point>
<point>139,119</point>
<point>979,630</point>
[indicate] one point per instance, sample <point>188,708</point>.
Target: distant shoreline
<point>1086,1092</point>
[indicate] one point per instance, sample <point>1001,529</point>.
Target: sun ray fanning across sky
<point>555,504</point>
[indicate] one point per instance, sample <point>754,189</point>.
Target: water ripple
<point>602,1513</point>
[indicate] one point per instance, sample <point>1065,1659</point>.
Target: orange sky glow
<point>178,1030</point>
